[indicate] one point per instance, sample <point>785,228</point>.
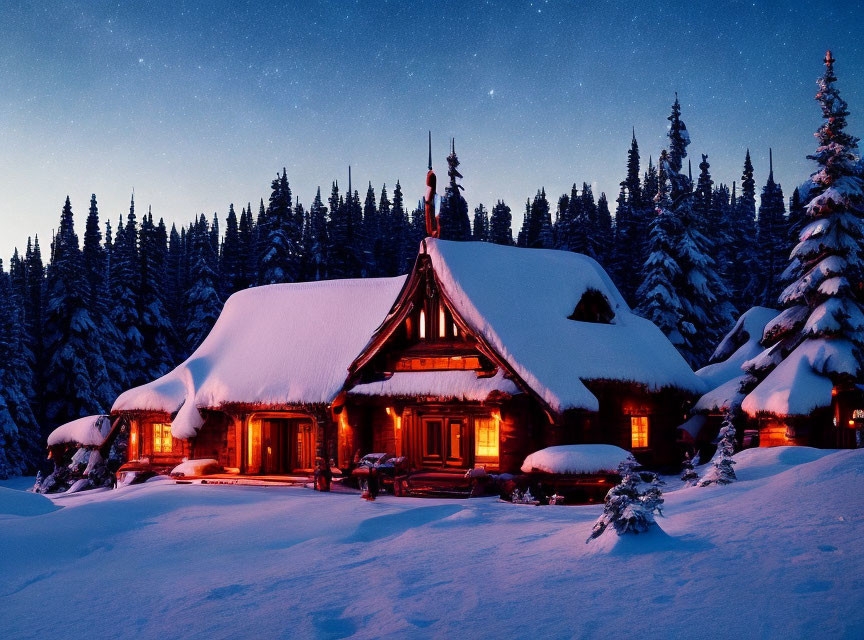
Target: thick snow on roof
<point>737,347</point>
<point>519,300</point>
<point>89,431</point>
<point>279,344</point>
<point>798,385</point>
<point>576,458</point>
<point>459,385</point>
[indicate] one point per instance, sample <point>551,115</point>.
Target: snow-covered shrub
<point>688,473</point>
<point>722,472</point>
<point>630,505</point>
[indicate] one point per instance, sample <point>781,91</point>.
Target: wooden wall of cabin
<point>143,427</point>
<point>217,439</point>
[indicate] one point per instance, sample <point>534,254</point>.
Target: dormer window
<point>593,307</point>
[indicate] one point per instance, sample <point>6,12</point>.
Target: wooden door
<point>304,452</point>
<point>443,441</point>
<point>455,442</point>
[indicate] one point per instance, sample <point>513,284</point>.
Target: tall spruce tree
<point>480,231</point>
<point>500,224</point>
<point>246,275</point>
<point>741,270</point>
<point>631,225</point>
<point>821,327</point>
<point>69,328</point>
<point>202,297</point>
<point>373,245</point>
<point>279,260</point>
<point>771,248</point>
<point>125,285</point>
<point>231,256</point>
<point>33,315</point>
<point>154,316</point>
<point>605,238</point>
<point>316,243</point>
<point>453,217</point>
<point>657,293</point>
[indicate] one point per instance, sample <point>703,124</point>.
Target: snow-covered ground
<point>777,554</point>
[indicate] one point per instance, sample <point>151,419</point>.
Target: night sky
<point>197,105</point>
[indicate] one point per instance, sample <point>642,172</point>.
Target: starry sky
<point>197,104</point>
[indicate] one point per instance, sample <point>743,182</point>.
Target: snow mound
<point>276,345</point>
<point>24,503</point>
<point>202,467</point>
<point>576,458</point>
<point>761,462</point>
<point>520,300</point>
<point>89,431</point>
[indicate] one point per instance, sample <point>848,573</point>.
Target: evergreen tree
<point>657,294</point>
<point>500,231</point>
<point>631,227</point>
<point>604,232</point>
<point>481,224</point>
<point>202,298</point>
<point>405,246</point>
<point>125,279</point>
<point>155,322</point>
<point>339,264</point>
<point>373,245</point>
<point>688,473</point>
<point>280,256</point>
<point>34,314</point>
<point>743,233</point>
<point>175,291</point>
<point>629,506</point>
<point>563,224</point>
<point>722,472</point>
<point>316,246</point>
<point>355,240</point>
<point>587,224</point>
<point>246,265</point>
<point>821,327</point>
<point>771,248</point>
<point>69,328</point>
<point>453,217</point>
<point>231,259</point>
<point>525,231</point>
<point>795,221</point>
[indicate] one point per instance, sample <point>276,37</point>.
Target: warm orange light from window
<point>486,438</point>
<point>442,322</point>
<point>455,330</point>
<point>388,410</point>
<point>253,448</point>
<point>422,325</point>
<point>162,440</point>
<point>639,431</point>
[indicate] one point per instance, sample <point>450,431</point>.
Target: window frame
<point>640,433</point>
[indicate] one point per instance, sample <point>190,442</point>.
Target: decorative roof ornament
<point>432,228</point>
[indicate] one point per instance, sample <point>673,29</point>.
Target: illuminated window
<point>253,449</point>
<point>639,431</point>
<point>162,440</point>
<point>455,331</point>
<point>422,325</point>
<point>486,439</point>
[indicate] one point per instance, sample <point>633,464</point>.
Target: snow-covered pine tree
<point>230,266</point>
<point>631,227</point>
<point>657,294</point>
<point>605,236</point>
<point>33,315</point>
<point>246,261</point>
<point>770,254</point>
<point>373,245</point>
<point>453,217</point>
<point>202,298</point>
<point>125,292</point>
<point>794,222</point>
<point>741,269</point>
<point>539,232</point>
<point>175,290</point>
<point>279,260</point>
<point>688,473</point>
<point>316,243</point>
<point>821,326</point>
<point>586,222</point>
<point>722,472</point>
<point>500,230</point>
<point>20,441</point>
<point>69,329</point>
<point>156,326</point>
<point>106,360</point>
<point>629,506</point>
<point>480,231</point>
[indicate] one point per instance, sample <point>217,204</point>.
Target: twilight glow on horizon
<point>196,105</point>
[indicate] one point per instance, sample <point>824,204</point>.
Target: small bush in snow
<point>722,471</point>
<point>688,473</point>
<point>631,504</point>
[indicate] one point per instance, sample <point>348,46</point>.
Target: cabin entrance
<point>280,446</point>
<point>443,441</point>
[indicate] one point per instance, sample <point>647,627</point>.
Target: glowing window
<point>422,325</point>
<point>639,431</point>
<point>162,440</point>
<point>253,449</point>
<point>442,322</point>
<point>486,439</point>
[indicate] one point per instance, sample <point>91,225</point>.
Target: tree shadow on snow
<point>653,541</point>
<point>395,523</point>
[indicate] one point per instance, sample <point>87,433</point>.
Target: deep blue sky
<point>197,104</point>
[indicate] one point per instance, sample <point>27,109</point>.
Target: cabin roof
<point>89,431</point>
<point>457,385</point>
<point>278,344</point>
<point>520,300</point>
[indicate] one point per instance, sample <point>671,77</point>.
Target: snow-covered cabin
<point>793,405</point>
<point>481,355</point>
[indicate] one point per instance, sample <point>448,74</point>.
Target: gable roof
<point>518,301</point>
<point>282,344</point>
